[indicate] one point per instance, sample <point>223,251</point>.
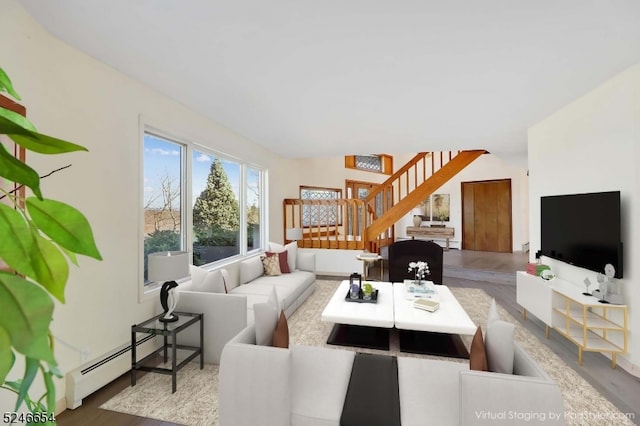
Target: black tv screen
<point>582,230</point>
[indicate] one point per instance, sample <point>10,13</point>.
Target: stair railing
<point>337,224</point>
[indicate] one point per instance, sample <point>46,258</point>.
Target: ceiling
<point>323,78</point>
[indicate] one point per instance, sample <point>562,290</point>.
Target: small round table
<point>369,258</point>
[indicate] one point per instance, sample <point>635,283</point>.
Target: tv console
<point>583,320</point>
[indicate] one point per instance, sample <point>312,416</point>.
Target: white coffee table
<point>443,326</point>
<point>449,318</point>
<point>360,324</point>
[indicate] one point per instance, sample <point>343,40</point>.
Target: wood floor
<point>621,388</point>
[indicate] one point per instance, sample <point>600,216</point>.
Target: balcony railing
<point>336,224</point>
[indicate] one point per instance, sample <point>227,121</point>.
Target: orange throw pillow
<point>281,333</point>
<point>477,355</point>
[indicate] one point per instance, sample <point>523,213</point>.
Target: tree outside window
<point>162,196</point>
<point>216,210</point>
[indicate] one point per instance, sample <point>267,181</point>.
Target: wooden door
<point>486,216</point>
<point>358,190</point>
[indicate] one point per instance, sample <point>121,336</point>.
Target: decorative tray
<point>360,299</point>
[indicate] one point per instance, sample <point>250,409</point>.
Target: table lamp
<point>168,266</point>
<point>293,234</point>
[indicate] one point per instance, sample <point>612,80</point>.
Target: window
<point>382,163</point>
<point>216,208</point>
<point>223,203</point>
<point>163,169</point>
<point>320,215</point>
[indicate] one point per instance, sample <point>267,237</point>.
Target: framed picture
<point>441,207</point>
<point>437,207</point>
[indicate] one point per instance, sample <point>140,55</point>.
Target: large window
<point>221,198</point>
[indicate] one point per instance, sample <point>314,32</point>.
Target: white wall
<point>70,95</point>
<point>591,145</point>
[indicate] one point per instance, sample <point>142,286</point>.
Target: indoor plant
<point>38,239</point>
<point>421,270</point>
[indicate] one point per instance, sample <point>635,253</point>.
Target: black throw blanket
<point>373,397</point>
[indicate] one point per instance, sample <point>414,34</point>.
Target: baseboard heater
<point>90,377</point>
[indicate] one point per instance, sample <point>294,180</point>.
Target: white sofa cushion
<point>429,391</point>
<point>251,269</point>
<point>197,276</point>
<point>266,319</point>
<point>265,371</point>
<point>498,342</point>
<point>499,346</point>
<point>284,293</point>
<point>320,378</point>
<point>226,281</point>
<point>206,281</point>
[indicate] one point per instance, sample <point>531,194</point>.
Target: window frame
<point>386,162</point>
<point>149,290</point>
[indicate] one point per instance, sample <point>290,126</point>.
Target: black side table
<point>155,327</point>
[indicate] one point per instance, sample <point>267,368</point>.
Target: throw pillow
<point>493,312</point>
<point>477,354</point>
<point>292,254</point>
<point>271,265</point>
<point>498,342</point>
<point>197,276</point>
<point>292,250</point>
<point>251,269</point>
<point>225,279</point>
<point>499,346</point>
<point>275,247</point>
<point>206,281</point>
<point>281,333</point>
<point>266,317</point>
<point>282,257</point>
<point>213,282</point>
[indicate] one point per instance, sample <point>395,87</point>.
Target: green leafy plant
<point>38,239</point>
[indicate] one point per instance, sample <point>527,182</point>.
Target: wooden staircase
<point>386,205</point>
<point>410,185</point>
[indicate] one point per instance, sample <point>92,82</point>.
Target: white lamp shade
<point>168,265</point>
<point>417,211</point>
<point>294,234</point>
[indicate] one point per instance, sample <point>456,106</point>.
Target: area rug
<point>195,401</point>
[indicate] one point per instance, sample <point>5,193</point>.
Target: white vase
<point>417,220</point>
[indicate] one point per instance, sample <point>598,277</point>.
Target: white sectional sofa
<point>226,314</point>
<point>292,288</point>
<point>306,386</point>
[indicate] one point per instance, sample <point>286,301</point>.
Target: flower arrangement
<point>421,270</point>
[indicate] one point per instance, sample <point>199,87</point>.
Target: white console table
<point>589,324</point>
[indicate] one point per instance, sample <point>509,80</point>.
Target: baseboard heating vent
<point>90,377</point>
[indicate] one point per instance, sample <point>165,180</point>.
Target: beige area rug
<point>195,401</point>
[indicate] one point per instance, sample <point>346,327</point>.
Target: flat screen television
<point>582,230</point>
